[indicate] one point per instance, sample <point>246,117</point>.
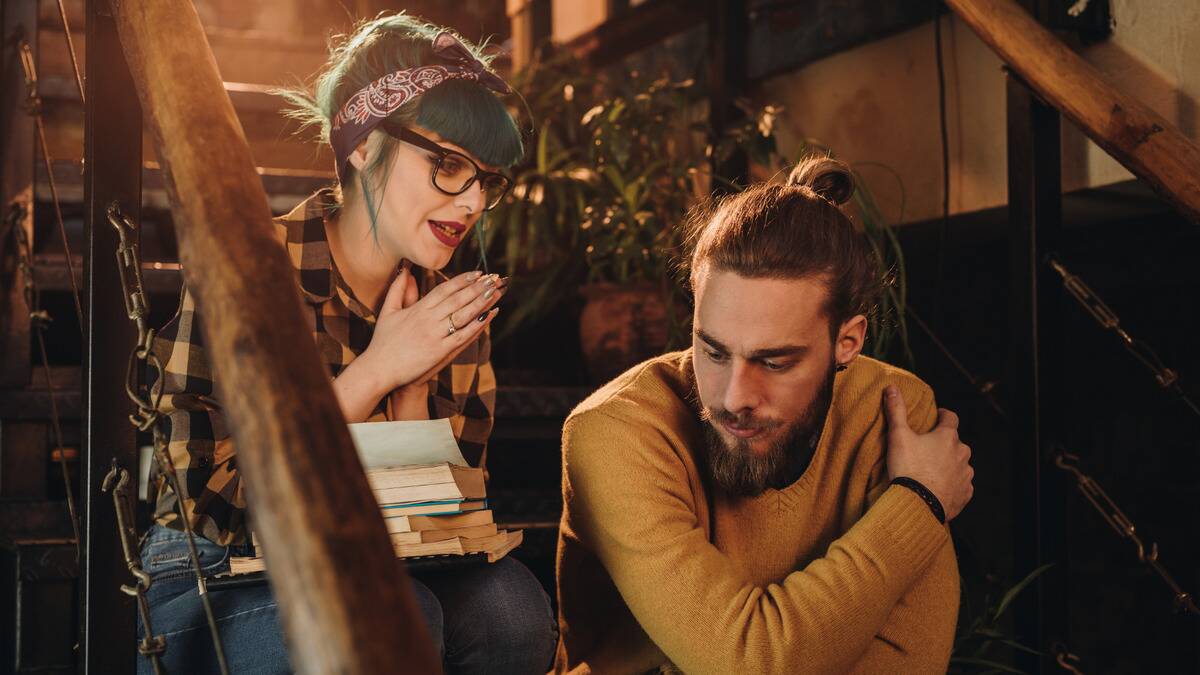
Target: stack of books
<point>430,510</point>
<point>439,509</point>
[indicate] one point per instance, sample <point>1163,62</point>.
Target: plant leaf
<point>1012,592</point>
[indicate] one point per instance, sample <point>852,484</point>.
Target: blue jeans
<point>488,618</point>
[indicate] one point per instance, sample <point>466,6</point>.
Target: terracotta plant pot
<point>620,326</point>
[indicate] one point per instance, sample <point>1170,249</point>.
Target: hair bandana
<point>375,102</point>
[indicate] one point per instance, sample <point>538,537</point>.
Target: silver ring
<point>450,320</point>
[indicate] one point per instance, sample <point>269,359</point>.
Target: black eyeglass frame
<point>409,136</point>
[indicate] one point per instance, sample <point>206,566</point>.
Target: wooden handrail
<point>343,597</point>
<point>1136,136</point>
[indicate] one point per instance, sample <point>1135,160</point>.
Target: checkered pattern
<point>199,442</point>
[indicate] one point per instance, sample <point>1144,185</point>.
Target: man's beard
<point>737,469</point>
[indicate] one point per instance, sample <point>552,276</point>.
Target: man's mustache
<point>744,420</point>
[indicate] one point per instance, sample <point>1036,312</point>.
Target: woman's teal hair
<point>461,112</point>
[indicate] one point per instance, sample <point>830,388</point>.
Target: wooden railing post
<point>1036,368</point>
<point>344,599</point>
<point>1136,136</point>
<point>18,21</point>
<point>112,172</point>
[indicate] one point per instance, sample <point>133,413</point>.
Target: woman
<point>419,137</point>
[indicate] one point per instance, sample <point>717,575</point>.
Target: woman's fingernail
<point>489,293</point>
<point>490,280</point>
<point>484,316</point>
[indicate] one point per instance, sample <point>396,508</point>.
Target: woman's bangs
<point>472,118</point>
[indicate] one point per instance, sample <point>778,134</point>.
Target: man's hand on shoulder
<point>937,459</point>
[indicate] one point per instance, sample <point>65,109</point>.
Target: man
<point>729,509</point>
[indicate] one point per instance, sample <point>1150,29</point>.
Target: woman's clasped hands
<point>415,337</point>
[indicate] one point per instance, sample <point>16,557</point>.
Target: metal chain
<point>1123,526</point>
<point>985,388</point>
<point>1087,485</point>
<point>33,104</point>
<point>38,320</point>
<point>1065,659</point>
<point>148,416</point>
<point>117,481</point>
<point>1087,298</point>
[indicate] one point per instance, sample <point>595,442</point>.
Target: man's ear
<point>850,339</point>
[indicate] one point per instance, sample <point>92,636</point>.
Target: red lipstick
<point>448,232</point>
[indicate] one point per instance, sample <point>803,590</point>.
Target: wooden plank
<point>34,404</point>
<point>727,24</point>
<point>786,36</point>
<point>40,519</point>
<point>242,55</point>
<point>1136,136</point>
<point>37,590</point>
<point>1035,368</point>
<point>531,28</point>
<point>779,37</point>
<point>112,154</point>
<point>344,601</point>
<point>285,186</point>
<point>274,139</point>
<point>636,29</point>
<point>17,132</point>
<point>52,274</point>
<point>23,460</point>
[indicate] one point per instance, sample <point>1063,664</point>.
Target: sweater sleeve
<point>635,508</point>
<point>919,632</point>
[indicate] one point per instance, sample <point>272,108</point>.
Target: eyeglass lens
<point>455,173</point>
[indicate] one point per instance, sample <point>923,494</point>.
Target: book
<point>455,546</point>
<point>425,474</point>
<point>432,503</point>
<point>496,547</point>
<point>398,486</point>
<point>427,536</point>
<point>402,443</point>
<point>446,522</point>
<point>239,565</point>
<point>433,508</point>
<point>512,539</point>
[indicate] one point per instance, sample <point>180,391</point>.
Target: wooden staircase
<point>37,554</point>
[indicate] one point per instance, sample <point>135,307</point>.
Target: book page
<point>388,444</point>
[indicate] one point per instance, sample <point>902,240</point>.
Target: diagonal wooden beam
<point>344,599</point>
<point>1136,136</point>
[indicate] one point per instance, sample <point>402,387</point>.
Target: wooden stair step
<point>285,187</point>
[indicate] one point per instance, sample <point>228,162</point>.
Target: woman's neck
<point>365,266</point>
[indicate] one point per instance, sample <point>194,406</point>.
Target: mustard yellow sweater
<point>655,571</point>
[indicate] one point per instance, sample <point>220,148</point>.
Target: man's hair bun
<point>827,177</point>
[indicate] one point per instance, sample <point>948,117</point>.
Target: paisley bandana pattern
<point>375,102</point>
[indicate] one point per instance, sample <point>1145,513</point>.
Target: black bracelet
<point>924,493</point>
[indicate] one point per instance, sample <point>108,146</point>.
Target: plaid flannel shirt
<point>199,441</point>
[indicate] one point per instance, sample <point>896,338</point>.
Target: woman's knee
<point>506,603</point>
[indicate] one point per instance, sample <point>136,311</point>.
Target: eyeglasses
<point>454,172</point>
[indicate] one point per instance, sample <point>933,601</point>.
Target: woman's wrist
<point>359,389</point>
<point>410,402</point>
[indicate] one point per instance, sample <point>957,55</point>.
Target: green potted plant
<point>595,209</point>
